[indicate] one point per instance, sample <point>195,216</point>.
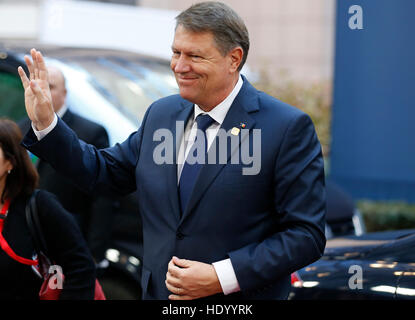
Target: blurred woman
<point>66,246</point>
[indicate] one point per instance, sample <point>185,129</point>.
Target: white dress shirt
<point>224,268</point>
<point>42,133</point>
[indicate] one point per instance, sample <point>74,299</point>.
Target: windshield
<point>131,85</point>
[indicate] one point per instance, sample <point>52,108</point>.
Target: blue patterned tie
<point>191,171</point>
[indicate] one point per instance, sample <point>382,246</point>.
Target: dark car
<point>113,88</point>
<point>374,266</point>
<point>342,216</point>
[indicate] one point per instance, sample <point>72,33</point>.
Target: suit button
<point>179,235</point>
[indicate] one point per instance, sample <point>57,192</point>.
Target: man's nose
<point>181,65</point>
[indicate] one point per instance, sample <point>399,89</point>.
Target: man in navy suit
<point>213,227</point>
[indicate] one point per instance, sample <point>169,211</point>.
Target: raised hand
<point>38,99</point>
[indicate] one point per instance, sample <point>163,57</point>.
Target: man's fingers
<point>173,280</point>
<point>43,71</point>
<point>176,297</point>
<point>173,289</point>
<point>38,92</point>
<point>23,77</point>
<point>183,263</point>
<point>30,67</point>
<point>173,270</point>
<point>176,267</point>
<point>33,52</point>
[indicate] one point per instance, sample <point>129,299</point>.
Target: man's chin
<point>187,95</point>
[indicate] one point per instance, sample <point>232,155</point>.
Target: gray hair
<point>227,27</point>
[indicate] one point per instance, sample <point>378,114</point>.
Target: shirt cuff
<point>227,276</point>
<point>42,133</point>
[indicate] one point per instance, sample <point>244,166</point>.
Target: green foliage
<point>314,99</point>
<point>382,216</point>
<point>12,97</point>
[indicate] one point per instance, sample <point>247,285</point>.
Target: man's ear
<point>236,56</point>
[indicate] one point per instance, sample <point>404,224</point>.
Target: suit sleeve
<point>299,204</point>
<point>100,139</point>
<point>107,171</point>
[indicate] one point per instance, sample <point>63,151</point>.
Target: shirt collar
<point>61,112</point>
<point>219,112</point>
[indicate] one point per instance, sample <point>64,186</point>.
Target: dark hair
<point>227,27</point>
<point>23,178</point>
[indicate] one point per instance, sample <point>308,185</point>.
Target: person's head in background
<point>17,173</point>
<point>57,86</point>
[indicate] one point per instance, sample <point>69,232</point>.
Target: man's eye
<point>196,57</point>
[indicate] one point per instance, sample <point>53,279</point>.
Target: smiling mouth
<point>185,77</point>
<point>186,80</point>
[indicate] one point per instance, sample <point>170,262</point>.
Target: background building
<point>291,39</point>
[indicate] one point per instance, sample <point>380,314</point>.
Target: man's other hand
<point>189,280</point>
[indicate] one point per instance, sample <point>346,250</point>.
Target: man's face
<point>57,88</point>
<point>203,74</point>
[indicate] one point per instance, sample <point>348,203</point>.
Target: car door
<point>397,259</point>
<point>406,274</point>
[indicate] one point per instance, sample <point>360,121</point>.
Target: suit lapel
<point>245,103</point>
<point>177,127</point>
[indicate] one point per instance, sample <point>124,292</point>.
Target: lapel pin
<point>243,125</point>
<point>235,131</point>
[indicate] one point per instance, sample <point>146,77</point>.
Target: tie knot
<point>204,121</point>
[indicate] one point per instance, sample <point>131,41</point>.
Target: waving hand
<point>38,99</point>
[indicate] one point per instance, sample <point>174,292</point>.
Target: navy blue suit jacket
<point>269,224</point>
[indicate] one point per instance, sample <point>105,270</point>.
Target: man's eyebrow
<point>189,52</point>
<point>196,51</point>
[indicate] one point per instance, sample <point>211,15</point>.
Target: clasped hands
<point>188,280</point>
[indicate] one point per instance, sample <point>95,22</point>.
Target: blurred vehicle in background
<point>374,266</point>
<point>343,219</point>
<point>114,89</point>
<point>342,216</point>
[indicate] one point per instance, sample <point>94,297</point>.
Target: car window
<point>131,87</point>
<point>11,97</point>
